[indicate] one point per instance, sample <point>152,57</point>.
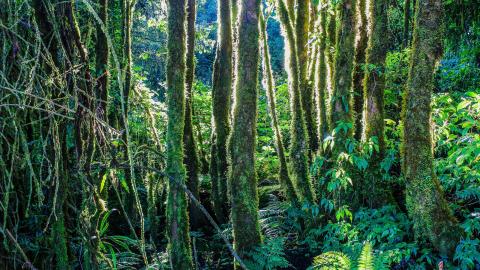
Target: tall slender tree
<point>299,143</point>
<point>330,43</point>
<point>43,15</point>
<point>321,75</point>
<point>426,203</point>
<point>341,101</point>
<point>191,160</point>
<point>301,24</point>
<point>358,70</point>
<point>243,179</point>
<point>406,23</point>
<point>269,85</point>
<point>374,85</point>
<point>101,62</point>
<point>374,82</point>
<point>177,218</point>
<point>221,92</point>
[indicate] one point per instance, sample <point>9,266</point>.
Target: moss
<point>222,84</point>
<point>101,62</point>
<point>242,178</point>
<point>60,243</point>
<point>426,203</point>
<point>341,101</point>
<point>177,218</point>
<point>358,70</point>
<point>330,43</point>
<point>269,85</point>
<point>299,139</point>
<point>191,160</point>
<point>321,77</point>
<point>374,83</point>
<point>302,23</point>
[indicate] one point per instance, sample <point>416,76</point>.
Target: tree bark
<point>341,101</point>
<point>299,139</point>
<point>321,78</point>
<point>358,70</point>
<point>426,203</point>
<point>190,159</point>
<point>302,23</point>
<point>177,218</point>
<point>222,89</point>
<point>269,85</point>
<point>243,181</point>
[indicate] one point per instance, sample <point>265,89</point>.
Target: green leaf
<point>104,179</point>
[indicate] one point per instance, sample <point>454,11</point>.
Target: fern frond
<point>331,260</point>
<point>365,262</point>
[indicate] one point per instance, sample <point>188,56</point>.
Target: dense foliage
<point>83,188</point>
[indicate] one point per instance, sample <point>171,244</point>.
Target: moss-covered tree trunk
<point>330,43</point>
<point>302,23</point>
<point>242,178</point>
<point>101,63</point>
<point>177,219</point>
<point>269,85</point>
<point>59,232</point>
<point>321,76</point>
<point>374,192</point>
<point>222,89</point>
<point>374,83</point>
<point>341,101</point>
<point>299,143</point>
<point>406,23</point>
<point>358,70</point>
<point>426,204</point>
<point>191,160</point>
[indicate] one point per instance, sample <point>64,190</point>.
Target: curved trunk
<point>426,204</point>
<point>269,85</point>
<point>243,181</point>
<point>177,218</point>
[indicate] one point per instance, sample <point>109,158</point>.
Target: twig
<point>27,263</point>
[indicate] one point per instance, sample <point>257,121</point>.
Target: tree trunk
<point>243,181</point>
<point>376,193</point>
<point>101,63</point>
<point>269,85</point>
<point>406,23</point>
<point>321,78</point>
<point>426,203</point>
<point>177,217</point>
<point>191,160</point>
<point>222,88</point>
<point>358,71</point>
<point>298,145</point>
<point>341,101</point>
<point>302,24</point>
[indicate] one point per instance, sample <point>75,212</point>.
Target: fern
<point>365,262</point>
<point>331,260</point>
